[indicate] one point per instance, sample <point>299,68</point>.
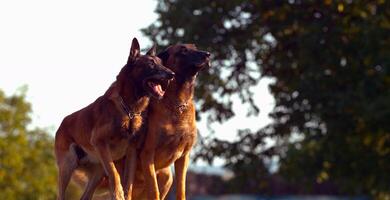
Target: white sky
<point>69,52</point>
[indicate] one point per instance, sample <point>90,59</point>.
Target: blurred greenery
<point>27,163</point>
<point>27,169</point>
<point>329,60</point>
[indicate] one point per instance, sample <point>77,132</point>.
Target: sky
<point>69,52</point>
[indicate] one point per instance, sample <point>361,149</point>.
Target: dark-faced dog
<point>171,124</point>
<point>100,133</point>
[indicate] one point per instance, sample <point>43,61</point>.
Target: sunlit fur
<point>98,134</point>
<point>171,132</point>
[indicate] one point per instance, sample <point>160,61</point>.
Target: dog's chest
<point>172,144</point>
<point>130,126</point>
<point>119,142</point>
<point>118,147</point>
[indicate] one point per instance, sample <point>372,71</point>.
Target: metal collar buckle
<point>127,110</point>
<point>182,107</point>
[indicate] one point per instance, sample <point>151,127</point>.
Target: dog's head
<point>185,59</point>
<point>146,72</point>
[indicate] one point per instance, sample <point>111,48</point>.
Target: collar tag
<point>127,110</point>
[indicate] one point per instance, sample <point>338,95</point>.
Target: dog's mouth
<point>203,64</point>
<point>156,87</point>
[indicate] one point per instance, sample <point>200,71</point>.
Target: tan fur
<point>171,134</point>
<point>171,131</point>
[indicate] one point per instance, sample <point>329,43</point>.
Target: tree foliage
<point>330,62</point>
<point>27,168</point>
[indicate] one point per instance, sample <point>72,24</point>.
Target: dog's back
<point>77,127</point>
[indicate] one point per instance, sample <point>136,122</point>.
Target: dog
<point>102,132</point>
<point>170,129</point>
<point>171,124</point>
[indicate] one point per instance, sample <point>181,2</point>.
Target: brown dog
<point>101,132</point>
<point>171,124</point>
<point>171,129</point>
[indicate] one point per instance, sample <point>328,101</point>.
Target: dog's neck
<point>125,89</point>
<point>183,93</point>
<point>132,97</point>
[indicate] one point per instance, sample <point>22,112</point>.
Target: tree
<point>330,62</point>
<point>27,168</point>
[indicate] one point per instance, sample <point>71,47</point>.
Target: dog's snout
<point>170,75</point>
<point>206,53</point>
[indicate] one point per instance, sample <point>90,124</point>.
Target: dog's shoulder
<point>112,92</point>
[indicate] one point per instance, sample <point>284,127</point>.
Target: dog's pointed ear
<point>152,51</point>
<point>134,50</point>
<point>164,55</point>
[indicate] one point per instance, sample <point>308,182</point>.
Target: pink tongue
<point>158,89</point>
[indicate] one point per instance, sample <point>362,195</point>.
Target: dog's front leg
<point>129,171</point>
<point>103,150</point>
<point>164,179</point>
<point>181,166</point>
<point>147,163</point>
<point>149,171</point>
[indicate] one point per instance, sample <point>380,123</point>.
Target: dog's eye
<point>182,52</point>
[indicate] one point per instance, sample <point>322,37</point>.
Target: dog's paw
<point>119,195</point>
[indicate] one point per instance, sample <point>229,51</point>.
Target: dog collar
<point>127,110</point>
<point>177,106</point>
<point>182,107</point>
